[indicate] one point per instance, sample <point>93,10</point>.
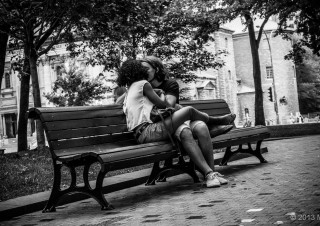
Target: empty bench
<point>82,136</point>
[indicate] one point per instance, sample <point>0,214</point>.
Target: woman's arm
<point>160,102</point>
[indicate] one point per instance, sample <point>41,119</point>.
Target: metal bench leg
<point>86,175</point>
<point>227,155</point>
<point>257,152</point>
<point>192,171</point>
<point>188,167</point>
<point>168,164</point>
<point>55,192</point>
<point>97,192</point>
<point>154,174</point>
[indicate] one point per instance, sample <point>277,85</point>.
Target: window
<point>7,80</point>
<point>229,75</point>
<point>226,43</point>
<point>269,72</point>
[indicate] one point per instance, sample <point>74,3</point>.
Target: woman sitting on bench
<point>138,104</point>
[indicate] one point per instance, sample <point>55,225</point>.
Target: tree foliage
<point>307,20</point>
<point>76,88</point>
<point>308,80</point>
<point>175,31</point>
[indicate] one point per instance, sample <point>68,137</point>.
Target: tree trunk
<point>259,111</point>
<point>24,105</point>
<point>36,96</point>
<point>3,49</point>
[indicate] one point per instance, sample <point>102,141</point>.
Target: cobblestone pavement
<point>284,191</point>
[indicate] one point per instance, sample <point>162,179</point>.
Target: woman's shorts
<point>153,132</point>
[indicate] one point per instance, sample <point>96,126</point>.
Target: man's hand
<point>158,92</point>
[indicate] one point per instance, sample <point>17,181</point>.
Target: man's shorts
<point>187,124</point>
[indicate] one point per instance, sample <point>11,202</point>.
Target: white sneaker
<point>212,180</point>
<point>221,180</point>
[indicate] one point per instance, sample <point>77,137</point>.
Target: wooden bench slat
<point>216,112</point>
<point>135,152</point>
<point>101,113</point>
<point>83,132</point>
<point>242,132</point>
<point>84,123</point>
<point>116,165</point>
<point>199,102</point>
<point>107,148</point>
<point>240,140</point>
<point>62,144</point>
<point>205,106</point>
<point>34,110</point>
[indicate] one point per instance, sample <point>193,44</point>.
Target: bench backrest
<point>72,127</point>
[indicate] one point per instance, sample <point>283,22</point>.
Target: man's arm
<point>172,100</point>
<point>172,93</point>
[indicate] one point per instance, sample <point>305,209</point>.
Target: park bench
<point>82,136</point>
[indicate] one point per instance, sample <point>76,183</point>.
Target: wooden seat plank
<point>135,152</point>
<point>108,147</point>
<point>239,141</point>
<point>233,134</point>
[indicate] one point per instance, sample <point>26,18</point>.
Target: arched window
<point>7,80</point>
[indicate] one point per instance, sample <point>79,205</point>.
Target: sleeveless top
<point>136,106</point>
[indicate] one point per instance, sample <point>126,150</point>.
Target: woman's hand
<point>163,97</point>
<point>160,102</point>
<point>158,92</point>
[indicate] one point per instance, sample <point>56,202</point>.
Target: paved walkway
<point>284,191</point>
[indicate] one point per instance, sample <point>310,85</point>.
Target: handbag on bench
<point>157,114</point>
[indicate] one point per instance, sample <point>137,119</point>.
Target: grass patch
<point>30,172</point>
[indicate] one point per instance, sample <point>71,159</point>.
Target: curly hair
<point>161,73</point>
<point>131,71</point>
